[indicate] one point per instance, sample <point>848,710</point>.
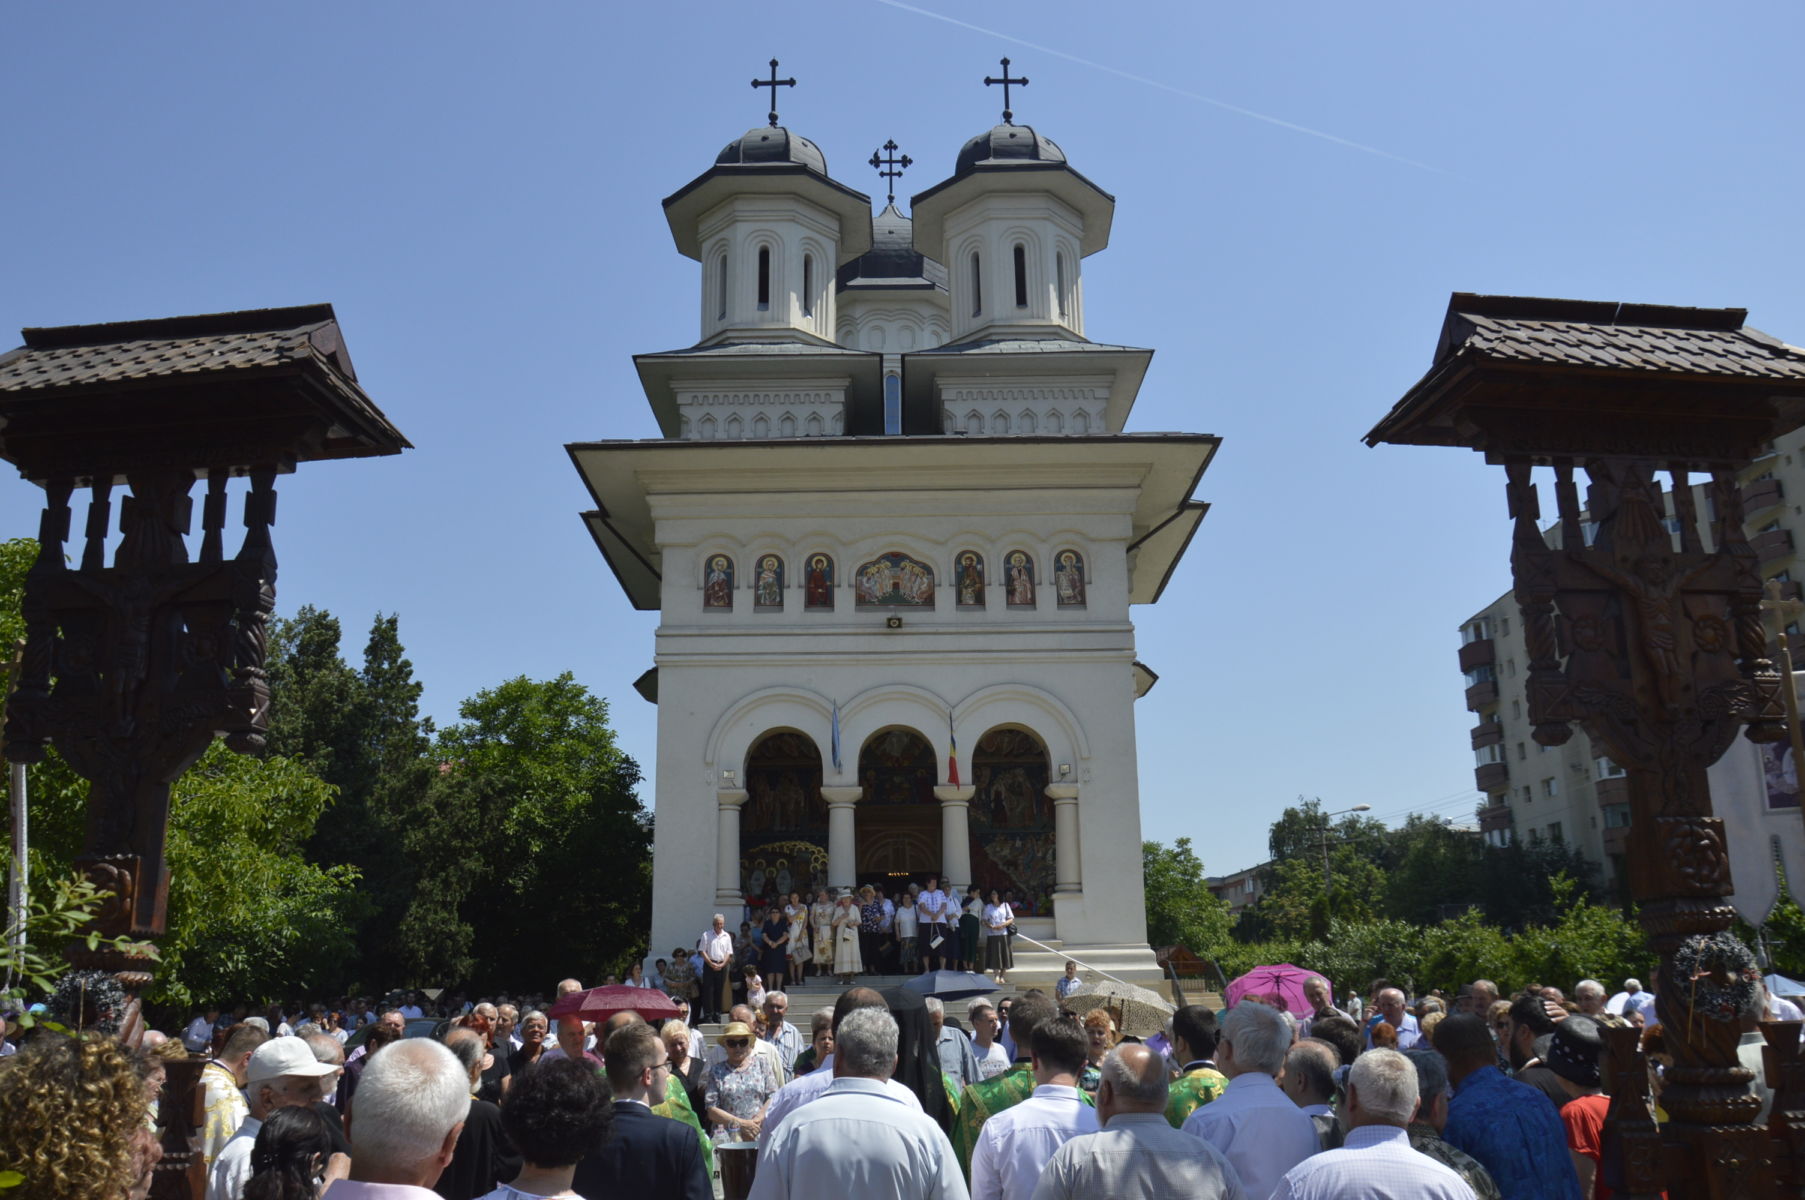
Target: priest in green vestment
<point>1194,1046</point>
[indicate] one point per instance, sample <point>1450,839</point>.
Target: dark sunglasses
<point>737,1043</point>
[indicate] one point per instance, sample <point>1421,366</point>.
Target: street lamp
<point>1324,830</point>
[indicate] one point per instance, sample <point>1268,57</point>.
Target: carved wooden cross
<point>774,83</point>
<point>1008,117</point>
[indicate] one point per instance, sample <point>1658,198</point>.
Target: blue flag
<point>836,735</point>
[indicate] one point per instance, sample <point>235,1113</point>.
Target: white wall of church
<point>728,677</point>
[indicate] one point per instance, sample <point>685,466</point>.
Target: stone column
<point>842,837</point>
<point>955,838</point>
<point>729,899</point>
<point>1068,875</point>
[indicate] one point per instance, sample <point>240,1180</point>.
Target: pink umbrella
<point>1280,985</point>
<point>600,1002</point>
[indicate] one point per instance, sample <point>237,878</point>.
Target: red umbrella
<point>599,1003</point>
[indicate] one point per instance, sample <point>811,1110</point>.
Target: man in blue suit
<point>645,1154</point>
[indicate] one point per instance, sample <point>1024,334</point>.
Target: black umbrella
<point>952,985</point>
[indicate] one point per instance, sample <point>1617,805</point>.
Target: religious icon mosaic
<point>894,580</point>
<point>783,822</point>
<point>898,766</point>
<point>1012,819</point>
<point>968,579</point>
<point>1019,579</point>
<point>1068,579</point>
<point>818,582</point>
<point>717,582</point>
<point>767,582</point>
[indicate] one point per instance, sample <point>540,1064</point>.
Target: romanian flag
<point>836,735</point>
<point>952,752</point>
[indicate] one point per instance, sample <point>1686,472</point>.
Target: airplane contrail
<point>1293,126</point>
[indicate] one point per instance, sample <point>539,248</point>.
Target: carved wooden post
<point>1643,638</point>
<point>132,668</point>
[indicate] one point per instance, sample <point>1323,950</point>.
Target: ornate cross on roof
<point>890,166</point>
<point>1008,117</point>
<point>774,83</point>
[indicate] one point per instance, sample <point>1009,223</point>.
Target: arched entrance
<point>783,824</point>
<point>1012,819</point>
<point>898,817</point>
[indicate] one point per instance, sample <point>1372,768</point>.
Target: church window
<point>717,582</point>
<point>721,315</point>
<point>1059,279</point>
<point>977,286</point>
<point>808,285</point>
<point>892,405</point>
<point>1068,579</point>
<point>764,278</point>
<point>1018,579</point>
<point>813,426</point>
<point>786,425</point>
<point>818,583</point>
<point>761,426</point>
<point>731,429</point>
<point>767,583</point>
<point>1081,422</point>
<point>1021,276</point>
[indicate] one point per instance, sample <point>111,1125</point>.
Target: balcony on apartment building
<point>1760,495</point>
<point>1491,777</point>
<point>1772,544</point>
<point>1482,694</point>
<point>1494,818</point>
<point>1487,733</point>
<point>1477,653</point>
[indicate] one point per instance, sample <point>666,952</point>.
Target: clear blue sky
<point>1300,187</point>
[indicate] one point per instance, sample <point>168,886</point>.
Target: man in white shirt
<point>1631,999</point>
<point>283,1073</point>
<point>716,949</point>
<point>1137,1155</point>
<point>1015,1145</point>
<point>410,1111</point>
<point>410,1008</point>
<point>857,1139</point>
<point>805,1089</point>
<point>1376,1161</point>
<point>993,1060</point>
<point>1255,1125</point>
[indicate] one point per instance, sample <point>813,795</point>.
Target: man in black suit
<point>645,1154</point>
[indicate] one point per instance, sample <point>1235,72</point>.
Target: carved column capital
<point>841,795</point>
<point>954,795</point>
<point>1062,791</point>
<point>731,797</point>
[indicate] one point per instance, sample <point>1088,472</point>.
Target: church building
<point>894,529</point>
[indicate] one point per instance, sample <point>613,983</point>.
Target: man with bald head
<point>1137,1155</point>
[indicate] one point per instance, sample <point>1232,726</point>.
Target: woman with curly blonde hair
<point>72,1115</point>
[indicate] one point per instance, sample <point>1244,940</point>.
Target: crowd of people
<point>1474,1096</point>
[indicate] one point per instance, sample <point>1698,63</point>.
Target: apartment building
<point>1574,794</point>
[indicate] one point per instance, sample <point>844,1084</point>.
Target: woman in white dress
<point>847,960</point>
<point>821,914</point>
<point>797,912</point>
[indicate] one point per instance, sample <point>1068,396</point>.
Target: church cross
<point>890,166</point>
<point>1008,117</point>
<point>774,83</point>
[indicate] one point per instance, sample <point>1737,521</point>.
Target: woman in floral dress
<point>797,912</point>
<point>740,1086</point>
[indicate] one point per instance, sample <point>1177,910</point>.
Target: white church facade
<point>894,531</point>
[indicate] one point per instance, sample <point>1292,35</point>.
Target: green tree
<point>1181,909</point>
<point>249,915</point>
<point>541,837</point>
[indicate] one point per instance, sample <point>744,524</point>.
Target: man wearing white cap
<point>282,1073</point>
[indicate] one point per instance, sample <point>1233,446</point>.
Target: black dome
<point>772,145</point>
<point>1007,145</point>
